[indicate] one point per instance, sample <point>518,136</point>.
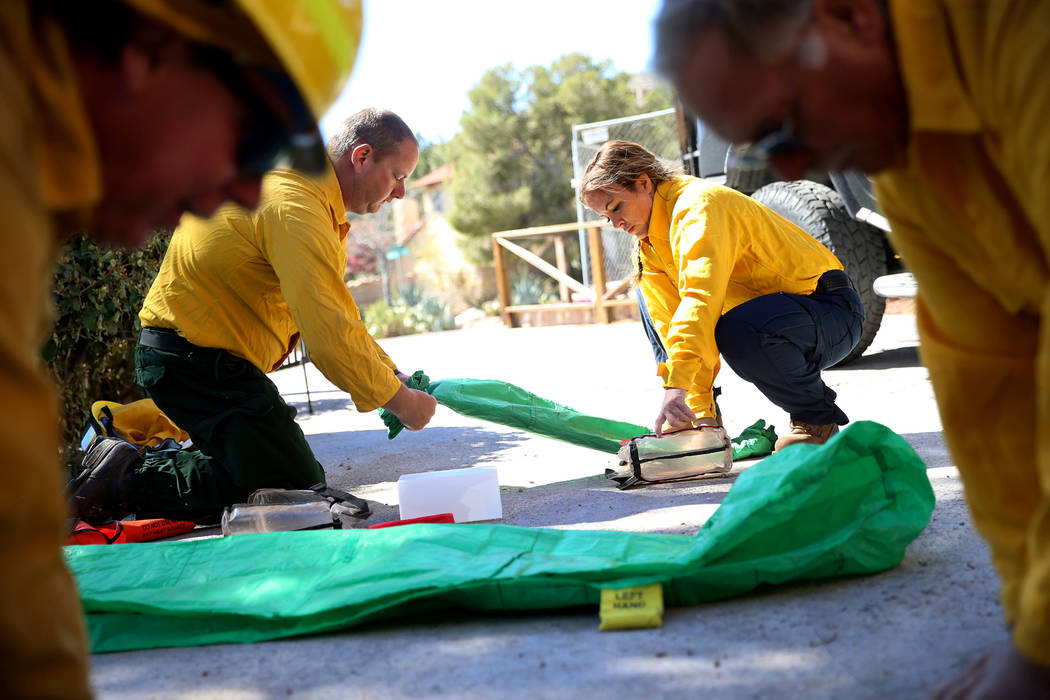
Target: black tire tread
<point>820,211</point>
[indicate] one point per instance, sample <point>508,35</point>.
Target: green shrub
<point>412,313</point>
<point>97,293</point>
<point>491,307</point>
<point>533,289</point>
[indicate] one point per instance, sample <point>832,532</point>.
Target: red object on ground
<point>121,531</point>
<point>439,518</point>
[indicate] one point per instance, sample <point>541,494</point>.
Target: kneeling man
<point>233,296</point>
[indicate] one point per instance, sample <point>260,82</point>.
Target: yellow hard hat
<point>302,49</point>
<point>314,41</point>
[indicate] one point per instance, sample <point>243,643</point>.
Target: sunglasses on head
<point>267,141</point>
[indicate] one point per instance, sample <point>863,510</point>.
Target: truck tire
<point>746,180</point>
<point>820,212</point>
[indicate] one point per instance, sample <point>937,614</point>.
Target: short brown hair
<point>748,25</point>
<point>381,129</point>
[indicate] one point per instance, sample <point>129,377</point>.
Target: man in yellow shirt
<point>114,118</point>
<point>233,296</point>
<point>948,101</point>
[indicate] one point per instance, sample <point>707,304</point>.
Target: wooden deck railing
<point>602,294</point>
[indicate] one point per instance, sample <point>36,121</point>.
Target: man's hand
<point>413,408</point>
<point>674,411</point>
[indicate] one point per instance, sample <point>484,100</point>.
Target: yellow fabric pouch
<point>139,422</point>
<point>632,608</point>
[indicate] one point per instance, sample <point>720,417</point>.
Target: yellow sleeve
<point>704,246</point>
<point>41,630</point>
<point>307,256</point>
<point>983,364</point>
<point>1020,108</point>
<point>661,300</point>
<point>383,357</point>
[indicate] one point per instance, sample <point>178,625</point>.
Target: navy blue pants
<point>781,342</point>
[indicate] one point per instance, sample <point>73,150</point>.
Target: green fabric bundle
<point>757,440</point>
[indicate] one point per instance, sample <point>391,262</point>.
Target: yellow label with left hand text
<point>632,608</point>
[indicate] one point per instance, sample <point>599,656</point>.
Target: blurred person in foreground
<point>947,102</point>
<point>116,117</point>
<point>720,273</point>
<point>234,295</point>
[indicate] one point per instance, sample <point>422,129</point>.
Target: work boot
<point>807,433</point>
<point>99,494</point>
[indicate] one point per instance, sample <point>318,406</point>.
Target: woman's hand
<point>674,411</point>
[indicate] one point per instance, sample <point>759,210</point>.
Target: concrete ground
<point>895,634</point>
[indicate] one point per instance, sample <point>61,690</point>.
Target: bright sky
<point>420,57</point>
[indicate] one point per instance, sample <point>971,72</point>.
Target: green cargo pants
<point>245,434</point>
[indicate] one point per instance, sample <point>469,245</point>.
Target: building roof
<point>434,177</point>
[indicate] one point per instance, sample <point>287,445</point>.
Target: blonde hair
<point>621,163</point>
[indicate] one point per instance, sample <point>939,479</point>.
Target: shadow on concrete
<point>320,405</point>
<point>596,499</point>
<point>886,359</point>
<point>369,456</point>
<point>931,448</point>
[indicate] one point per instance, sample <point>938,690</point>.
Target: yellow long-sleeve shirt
<point>970,212</point>
<point>251,282</point>
<point>48,167</point>
<point>709,249</point>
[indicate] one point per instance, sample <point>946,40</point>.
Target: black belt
<point>169,340</point>
<point>832,281</point>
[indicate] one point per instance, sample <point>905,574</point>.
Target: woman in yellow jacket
<point>720,273</point>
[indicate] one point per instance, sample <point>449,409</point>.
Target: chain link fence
<point>655,131</point>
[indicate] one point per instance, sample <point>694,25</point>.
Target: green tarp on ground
<point>848,507</point>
